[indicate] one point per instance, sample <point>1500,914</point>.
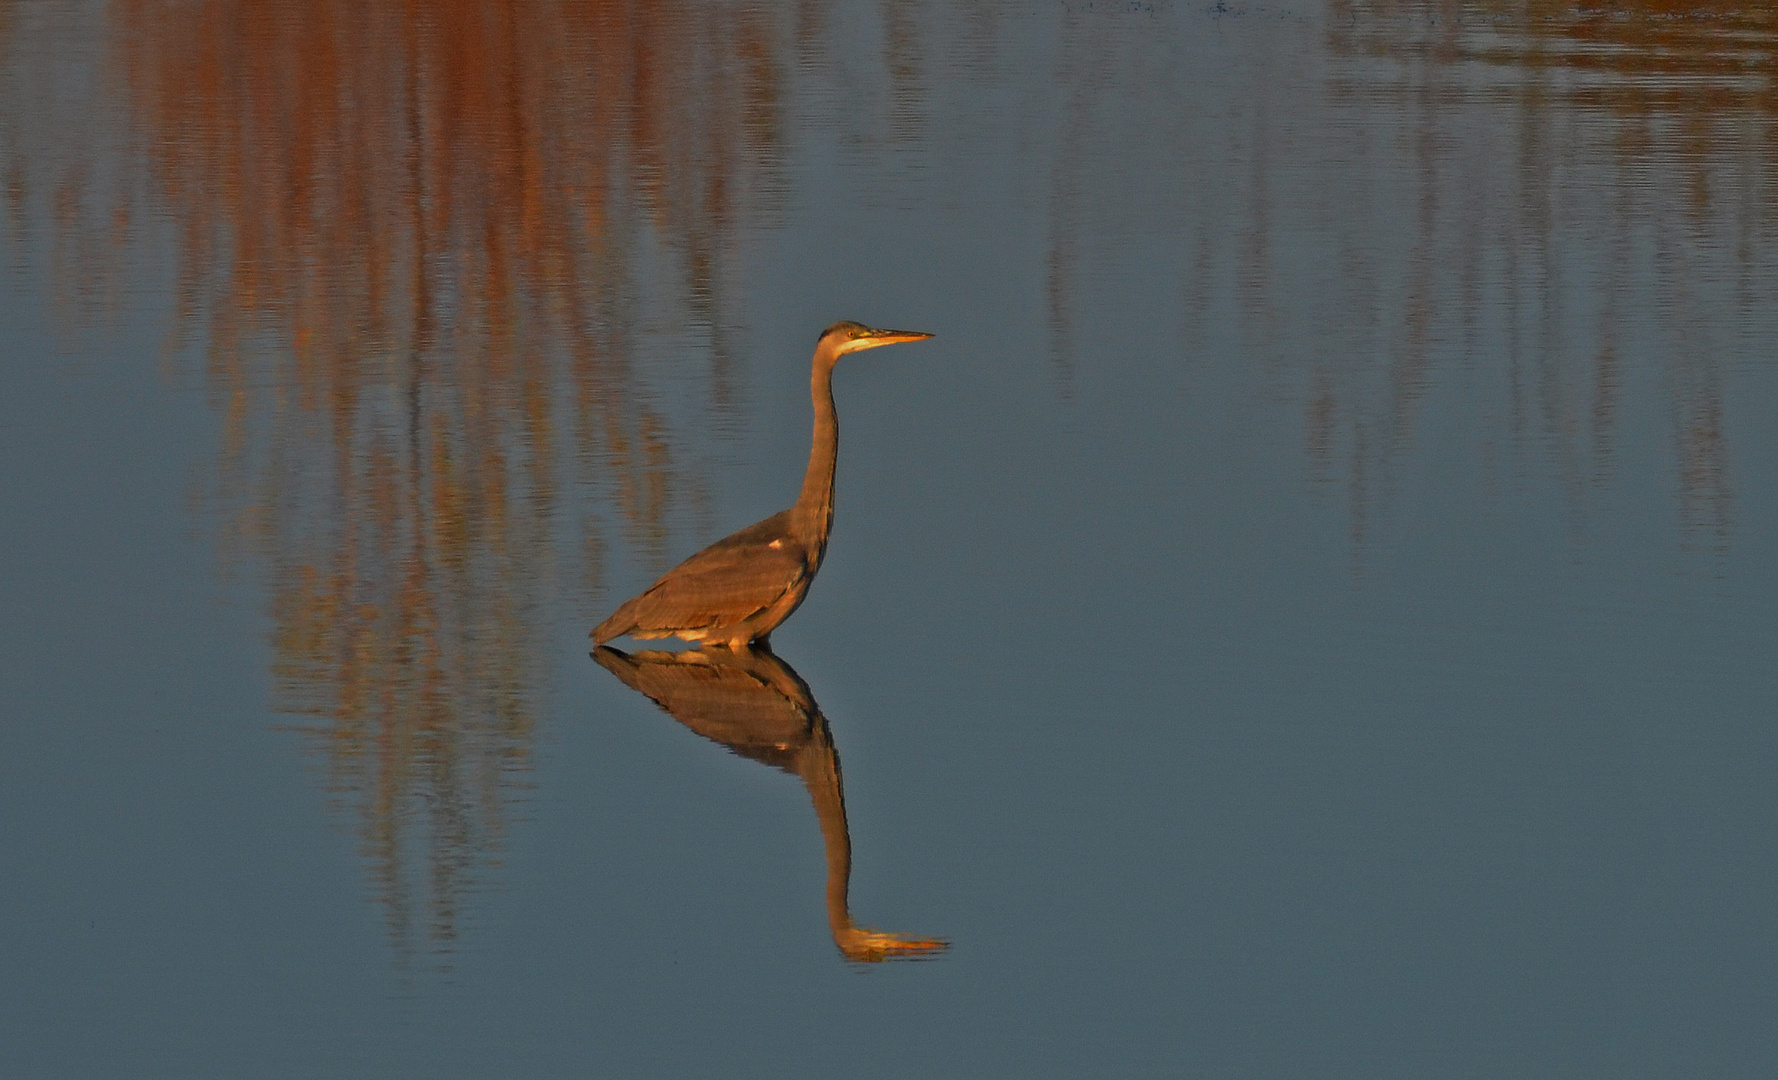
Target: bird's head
<point>848,337</point>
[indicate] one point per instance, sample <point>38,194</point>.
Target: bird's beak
<point>884,337</point>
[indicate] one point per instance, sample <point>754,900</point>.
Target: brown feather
<point>726,583</point>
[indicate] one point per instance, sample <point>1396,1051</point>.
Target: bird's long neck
<point>812,516</point>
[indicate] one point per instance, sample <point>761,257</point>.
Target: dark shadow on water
<point>757,706</point>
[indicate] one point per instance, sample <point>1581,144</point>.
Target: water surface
<point>1307,613</point>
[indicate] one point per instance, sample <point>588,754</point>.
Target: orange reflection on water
<point>417,241</point>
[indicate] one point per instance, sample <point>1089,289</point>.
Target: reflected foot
<point>874,946</point>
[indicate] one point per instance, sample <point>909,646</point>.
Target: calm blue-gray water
<point>1308,613</point>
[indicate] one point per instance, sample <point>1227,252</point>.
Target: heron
<point>758,706</point>
<point>737,590</point>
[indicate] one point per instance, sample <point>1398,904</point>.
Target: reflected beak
<point>884,337</point>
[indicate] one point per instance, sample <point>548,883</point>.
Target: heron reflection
<point>756,705</point>
<point>737,590</point>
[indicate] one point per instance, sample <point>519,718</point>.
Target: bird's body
<point>739,589</point>
<point>732,592</point>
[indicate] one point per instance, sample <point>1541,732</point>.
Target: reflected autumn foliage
<point>1549,207</point>
<point>1675,100</point>
<point>418,241</point>
<point>1701,60</point>
<point>1555,215</point>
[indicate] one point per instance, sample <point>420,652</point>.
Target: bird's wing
<point>719,586</point>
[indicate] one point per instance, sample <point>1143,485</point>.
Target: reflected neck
<point>820,769</point>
